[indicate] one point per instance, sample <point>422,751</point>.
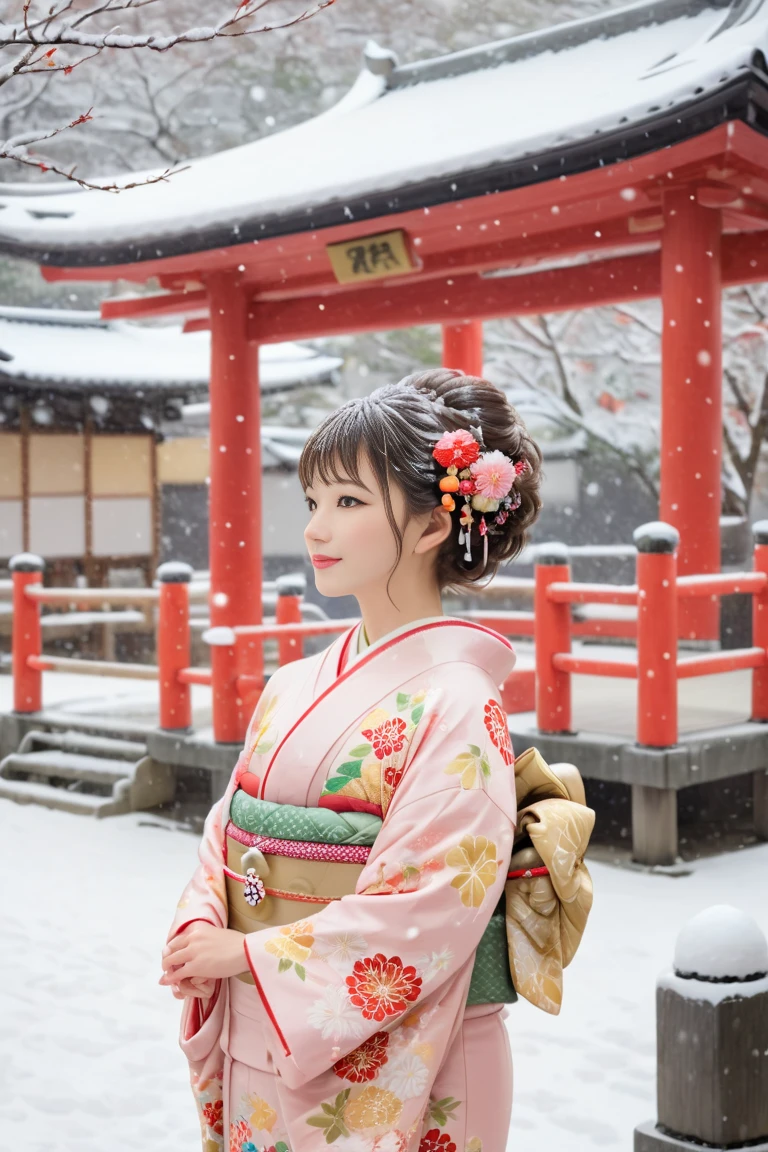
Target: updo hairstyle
<point>397,427</point>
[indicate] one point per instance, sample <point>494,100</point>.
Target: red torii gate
<point>675,220</point>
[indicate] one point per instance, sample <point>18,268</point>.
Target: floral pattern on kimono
<point>438,867</point>
<point>368,772</point>
<point>357,1037</point>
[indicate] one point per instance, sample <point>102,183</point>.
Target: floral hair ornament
<point>484,479</point>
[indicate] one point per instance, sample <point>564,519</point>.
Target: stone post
<point>712,1039</point>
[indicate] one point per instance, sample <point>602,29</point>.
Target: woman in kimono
<point>345,1020</point>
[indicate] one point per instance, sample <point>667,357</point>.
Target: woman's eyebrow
<point>345,482</point>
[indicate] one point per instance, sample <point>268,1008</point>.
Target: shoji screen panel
<point>57,494</point>
<point>122,495</point>
<point>11,494</point>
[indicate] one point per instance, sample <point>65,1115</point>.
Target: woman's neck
<point>380,617</point>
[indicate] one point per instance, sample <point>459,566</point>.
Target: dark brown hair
<point>397,427</point>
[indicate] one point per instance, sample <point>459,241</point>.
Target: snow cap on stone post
<point>174,572</point>
<point>722,944</point>
<point>291,584</point>
<point>552,553</point>
<point>656,536</point>
<point>26,562</point>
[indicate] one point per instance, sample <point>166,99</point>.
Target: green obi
<point>491,981</point>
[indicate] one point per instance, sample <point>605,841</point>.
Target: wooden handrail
<point>102,596</point>
<point>93,667</point>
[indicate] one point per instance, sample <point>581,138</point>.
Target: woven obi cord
<point>304,858</point>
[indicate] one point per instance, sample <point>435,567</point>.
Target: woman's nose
<point>315,531</point>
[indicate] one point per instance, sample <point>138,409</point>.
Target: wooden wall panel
<point>183,461</point>
<point>10,466</point>
<point>56,464</point>
<point>121,465</point>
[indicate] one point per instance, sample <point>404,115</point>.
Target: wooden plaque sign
<point>371,257</point>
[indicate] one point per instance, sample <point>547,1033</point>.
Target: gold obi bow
<point>546,915</point>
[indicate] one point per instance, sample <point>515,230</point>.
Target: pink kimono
<point>356,1031</point>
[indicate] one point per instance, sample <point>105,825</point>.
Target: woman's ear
<point>437,530</point>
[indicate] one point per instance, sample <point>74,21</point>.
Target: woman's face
<point>350,540</point>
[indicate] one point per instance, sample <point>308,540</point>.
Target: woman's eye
<point>352,498</point>
<point>309,503</point>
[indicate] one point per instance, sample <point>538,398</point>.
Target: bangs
<point>332,453</point>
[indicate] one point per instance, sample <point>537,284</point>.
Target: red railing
<point>546,686</point>
<point>657,666</point>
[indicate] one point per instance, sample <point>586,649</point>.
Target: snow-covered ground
<point>88,1056</point>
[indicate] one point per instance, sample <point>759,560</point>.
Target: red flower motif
<point>496,723</point>
<point>387,738</point>
<point>214,1116</point>
<point>364,1062</point>
<point>239,1134</point>
<point>432,1141</point>
<point>393,774</point>
<point>382,987</point>
<point>459,448</point>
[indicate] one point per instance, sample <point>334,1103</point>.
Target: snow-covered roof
<point>512,113</point>
<point>50,348</point>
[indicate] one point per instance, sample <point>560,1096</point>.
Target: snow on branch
<point>63,38</point>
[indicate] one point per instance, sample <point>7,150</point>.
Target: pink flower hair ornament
<point>485,480</point>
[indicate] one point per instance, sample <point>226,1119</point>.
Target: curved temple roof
<point>509,114</point>
<point>68,351</point>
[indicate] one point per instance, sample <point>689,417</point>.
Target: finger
<point>175,959</point>
<point>177,942</point>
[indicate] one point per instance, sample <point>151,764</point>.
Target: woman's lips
<point>324,561</point>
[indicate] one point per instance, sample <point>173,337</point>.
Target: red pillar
<point>173,645</point>
<point>26,569</point>
<point>290,589</point>
<point>234,500</point>
<point>760,624</point>
<point>463,347</point>
<point>552,635</point>
<point>691,396</point>
<point>657,614</point>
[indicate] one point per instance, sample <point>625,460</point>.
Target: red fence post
<point>760,623</point>
<point>552,634</point>
<point>173,645</point>
<point>290,590</point>
<point>26,569</point>
<point>656,545</point>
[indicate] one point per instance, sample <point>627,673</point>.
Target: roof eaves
<point>742,97</point>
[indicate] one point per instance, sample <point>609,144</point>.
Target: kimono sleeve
<point>398,953</point>
<point>204,898</point>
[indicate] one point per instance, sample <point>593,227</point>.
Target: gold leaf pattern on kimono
<point>263,1116</point>
<point>474,1145</point>
<point>263,740</point>
<point>475,858</point>
<point>293,942</point>
<point>373,1108</point>
<point>470,766</point>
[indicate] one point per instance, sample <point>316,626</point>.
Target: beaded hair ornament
<point>485,480</point>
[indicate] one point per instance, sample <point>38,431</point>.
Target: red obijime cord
<point>527,873</point>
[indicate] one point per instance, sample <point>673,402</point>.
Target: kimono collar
<point>470,642</point>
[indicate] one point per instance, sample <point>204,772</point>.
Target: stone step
<point>70,741</point>
<point>95,725</point>
<point>68,765</point>
<point>80,803</point>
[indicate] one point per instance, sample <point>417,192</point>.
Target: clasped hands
<point>199,956</point>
